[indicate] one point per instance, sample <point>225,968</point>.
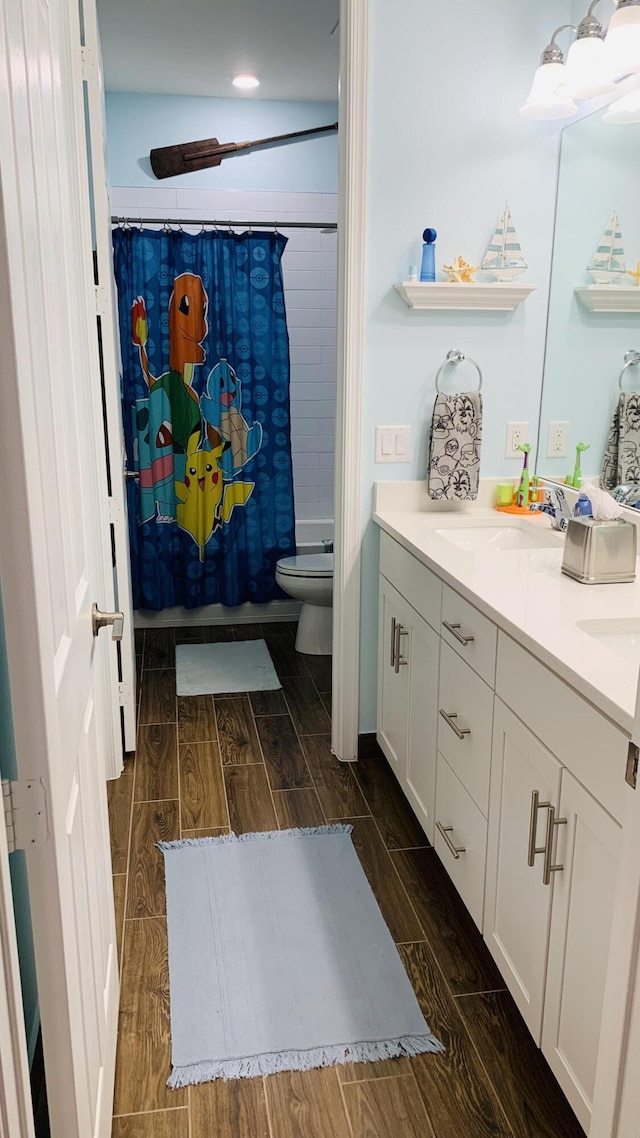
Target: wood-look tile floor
<point>262,761</point>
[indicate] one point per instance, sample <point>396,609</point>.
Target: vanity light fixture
<point>624,110</point>
<point>588,71</point>
<point>245,82</point>
<point>545,101</point>
<point>622,44</point>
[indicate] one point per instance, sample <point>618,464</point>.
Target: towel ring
<point>455,356</point>
<point>630,360</point>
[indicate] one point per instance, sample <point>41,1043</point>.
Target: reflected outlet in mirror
<point>599,175</point>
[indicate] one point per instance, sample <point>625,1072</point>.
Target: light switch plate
<point>393,444</point>
<point>558,440</point>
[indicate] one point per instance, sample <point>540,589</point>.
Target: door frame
<point>353,140</point>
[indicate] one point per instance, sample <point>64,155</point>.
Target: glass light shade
<point>622,44</point>
<point>245,82</point>
<point>587,70</point>
<point>624,110</point>
<point>544,102</point>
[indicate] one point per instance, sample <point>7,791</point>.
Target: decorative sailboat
<point>503,258</point>
<point>608,266</point>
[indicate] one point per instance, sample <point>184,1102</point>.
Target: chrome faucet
<point>556,506</point>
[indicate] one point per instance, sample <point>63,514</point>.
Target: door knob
<point>102,619</point>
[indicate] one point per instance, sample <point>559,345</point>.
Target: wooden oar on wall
<point>168,161</point>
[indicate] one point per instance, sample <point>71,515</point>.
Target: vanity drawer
<point>580,736</point>
<point>417,584</point>
<point>470,634</point>
<point>465,704</point>
<point>462,848</point>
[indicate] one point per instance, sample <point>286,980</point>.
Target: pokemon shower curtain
<point>205,359</point>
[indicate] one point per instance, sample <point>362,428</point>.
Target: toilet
<point>309,579</point>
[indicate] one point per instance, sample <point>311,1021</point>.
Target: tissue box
<point>599,552</point>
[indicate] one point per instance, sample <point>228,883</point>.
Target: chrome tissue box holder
<point>600,552</point>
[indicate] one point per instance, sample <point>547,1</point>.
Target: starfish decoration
<point>636,275</point>
<point>460,271</point>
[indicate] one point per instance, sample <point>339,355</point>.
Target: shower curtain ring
<point>166,228</point>
<point>275,228</point>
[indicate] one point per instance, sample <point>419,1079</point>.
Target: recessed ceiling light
<point>245,82</point>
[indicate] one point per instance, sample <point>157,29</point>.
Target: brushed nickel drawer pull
<point>453,629</point>
<point>536,805</point>
<point>445,831</point>
<point>399,662</point>
<point>449,717</point>
<point>393,642</point>
<point>549,868</point>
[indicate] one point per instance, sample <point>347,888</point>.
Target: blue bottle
<point>428,267</point>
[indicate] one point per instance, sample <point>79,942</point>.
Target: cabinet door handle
<point>549,868</point>
<point>445,831</point>
<point>449,717</point>
<point>536,805</point>
<point>400,663</point>
<point>453,629</point>
<point>392,661</point>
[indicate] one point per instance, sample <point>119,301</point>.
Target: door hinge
<point>102,300</point>
<point>125,694</point>
<point>25,813</point>
<point>633,755</point>
<point>89,62</point>
<point>115,510</point>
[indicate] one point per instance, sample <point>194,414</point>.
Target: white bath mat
<point>211,669</point>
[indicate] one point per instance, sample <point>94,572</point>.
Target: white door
<point>588,849</point>
<point>616,1100</point>
<point>518,903</point>
<point>424,655</point>
<point>393,679</point>
<point>16,1117</point>
<point>55,559</point>
<point>111,367</point>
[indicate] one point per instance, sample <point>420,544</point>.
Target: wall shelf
<point>617,298</point>
<point>497,297</point>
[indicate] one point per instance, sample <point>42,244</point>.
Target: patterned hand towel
<point>622,452</point>
<point>454,459</point>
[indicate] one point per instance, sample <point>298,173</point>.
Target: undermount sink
<point>621,635</point>
<point>495,536</point>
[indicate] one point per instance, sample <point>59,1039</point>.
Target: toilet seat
<point>309,565</point>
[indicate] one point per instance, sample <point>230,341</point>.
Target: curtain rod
<point>181,221</point>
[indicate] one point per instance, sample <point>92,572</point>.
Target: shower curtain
<point>205,361</point>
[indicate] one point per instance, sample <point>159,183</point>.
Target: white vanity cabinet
<point>519,783</point>
<point>407,700</point>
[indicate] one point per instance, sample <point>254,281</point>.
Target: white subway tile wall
<point>310,273</point>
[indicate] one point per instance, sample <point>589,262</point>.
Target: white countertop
<point>524,593</point>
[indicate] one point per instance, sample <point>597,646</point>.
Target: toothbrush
<point>522,495</point>
<point>576,481</point>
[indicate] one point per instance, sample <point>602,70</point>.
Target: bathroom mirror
<point>591,328</point>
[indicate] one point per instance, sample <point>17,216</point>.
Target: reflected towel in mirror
<point>621,462</point>
<point>454,452</point>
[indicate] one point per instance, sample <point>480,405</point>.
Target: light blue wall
<point>447,147</point>
<point>17,863</point>
<point>599,172</point>
<point>138,123</point>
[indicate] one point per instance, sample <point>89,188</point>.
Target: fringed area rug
<point>280,960</point>
<point>238,666</point>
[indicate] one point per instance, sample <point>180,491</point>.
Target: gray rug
<point>237,666</point>
<point>280,960</point>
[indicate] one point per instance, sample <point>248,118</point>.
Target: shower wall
<point>310,273</point>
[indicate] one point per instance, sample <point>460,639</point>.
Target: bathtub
<point>310,535</point>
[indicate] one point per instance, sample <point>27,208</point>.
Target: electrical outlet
<point>558,440</point>
<point>517,433</point>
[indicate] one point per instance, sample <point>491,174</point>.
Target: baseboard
<point>273,612</point>
<point>369,747</point>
